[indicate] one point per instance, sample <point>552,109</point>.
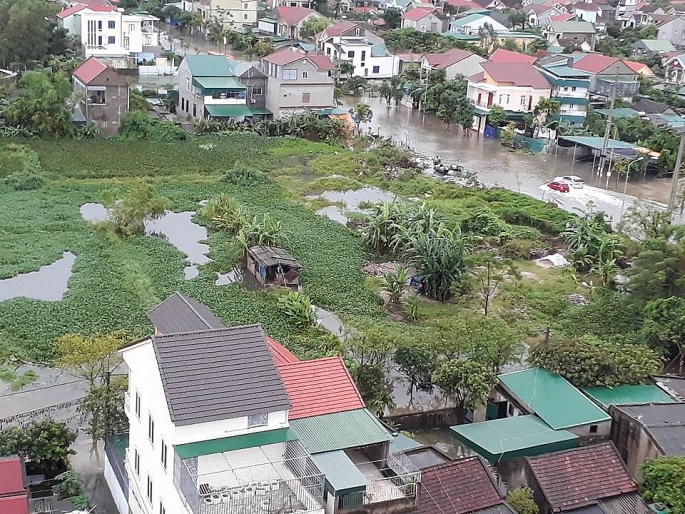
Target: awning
<point>260,111</point>
<point>228,111</point>
<point>219,83</point>
<point>341,473</point>
<point>238,442</point>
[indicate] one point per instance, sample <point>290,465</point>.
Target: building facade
<point>424,20</point>
<point>229,13</point>
<point>570,87</point>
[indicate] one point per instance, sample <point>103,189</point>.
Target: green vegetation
<point>664,482</point>
<point>45,442</point>
<point>411,40</point>
<point>521,500</point>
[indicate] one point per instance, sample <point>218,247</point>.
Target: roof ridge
<point>185,300</point>
<point>233,327</point>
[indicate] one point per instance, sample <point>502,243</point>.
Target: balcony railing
<point>402,487</point>
<point>127,404</point>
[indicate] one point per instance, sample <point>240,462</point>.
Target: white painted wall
<point>507,97</point>
<point>120,497</point>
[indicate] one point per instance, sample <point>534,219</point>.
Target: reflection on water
<point>330,322</point>
<point>49,283</point>
<point>444,440</point>
<point>350,201</point>
<point>407,401</point>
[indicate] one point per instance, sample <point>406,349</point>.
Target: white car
<point>573,181</point>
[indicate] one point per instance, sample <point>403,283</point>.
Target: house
<point>490,5</point>
<point>674,70</point>
<point>587,479</point>
<point>210,86</point>
<point>647,431</point>
<point>102,96</point>
<point>273,265</point>
<point>607,74</point>
<point>298,81</point>
<point>586,11</point>
<point>605,397</point>
<point>424,20</point>
<point>105,32</point>
<point>560,405</point>
<point>454,62</point>
<point>652,47</point>
<point>670,28</point>
<point>498,440</point>
<point>640,68</point>
<point>503,55</point>
<point>234,14</point>
<point>569,86</point>
<point>566,33</point>
<point>14,496</point>
<point>472,23</point>
<point>516,87</point>
<point>463,486</point>
<point>365,50</point>
<point>286,22</point>
<point>273,4</point>
<point>539,15</point>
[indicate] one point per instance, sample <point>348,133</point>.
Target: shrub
<point>521,248</point>
<point>298,308</point>
<point>485,223</point>
<point>265,231</point>
<point>25,181</point>
<point>521,232</point>
<point>244,177</point>
<point>412,306</point>
<point>139,125</point>
<point>394,284</point>
<point>521,500</point>
<point>224,213</point>
<point>664,482</point>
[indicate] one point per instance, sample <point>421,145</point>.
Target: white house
<point>349,41</point>
<point>108,34</point>
<point>472,23</point>
<point>424,19</point>
<point>454,62</point>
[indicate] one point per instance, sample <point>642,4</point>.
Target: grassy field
<point>115,281</point>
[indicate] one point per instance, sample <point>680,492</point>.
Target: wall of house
<point>286,96</point>
<point>588,434</point>
<point>365,65</point>
<point>590,16</point>
<point>254,81</point>
<point>71,23</point>
<point>632,442</point>
<point>99,37</point>
<point>466,67</point>
<point>190,101</point>
<point>673,31</point>
<point>508,97</point>
<point>119,496</point>
<point>517,473</point>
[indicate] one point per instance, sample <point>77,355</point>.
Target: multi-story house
<point>224,420</point>
<point>298,81</point>
<point>566,33</point>
<point>516,87</point>
<point>454,62</point>
<point>102,95</point>
<point>349,41</point>
<point>674,70</point>
<point>424,19</point>
<point>272,4</point>
<point>652,47</point>
<point>214,86</point>
<point>286,22</point>
<point>669,28</point>
<point>539,15</point>
<point>569,86</point>
<point>472,23</point>
<point>110,35</point>
<point>229,13</point>
<point>608,74</point>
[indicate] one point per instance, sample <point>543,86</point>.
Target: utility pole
<point>607,129</point>
<point>676,174</point>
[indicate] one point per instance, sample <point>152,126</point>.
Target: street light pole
<point>625,186</point>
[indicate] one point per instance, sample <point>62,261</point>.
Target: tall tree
<point>392,18</point>
<point>89,357</point>
<point>469,382</point>
<point>25,31</point>
<point>313,26</point>
<point>664,326</point>
<point>518,19</point>
<point>361,113</point>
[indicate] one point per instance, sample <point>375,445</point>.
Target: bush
<point>139,125</point>
<point>25,181</point>
<point>484,223</point>
<point>664,482</point>
<point>521,500</point>
<point>298,308</point>
<point>224,213</point>
<point>518,248</point>
<point>521,232</point>
<point>245,177</point>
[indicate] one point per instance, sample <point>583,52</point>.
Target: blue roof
<point>307,47</point>
<point>401,443</point>
<point>379,50</point>
<point>623,112</point>
<point>340,472</point>
<point>565,71</point>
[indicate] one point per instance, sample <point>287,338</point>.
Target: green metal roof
<point>340,430</point>
<point>219,83</point>
<point>228,111</point>
<point>209,65</point>
<point>469,18</point>
<point>623,112</point>
<point>553,398</point>
<point>260,111</point>
<point>626,394</point>
<point>510,438</point>
<point>401,443</point>
<point>463,37</point>
<point>237,442</point>
<point>658,45</point>
<point>341,473</point>
<point>596,142</point>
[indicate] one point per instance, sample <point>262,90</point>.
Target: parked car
<point>573,181</point>
<point>562,187</point>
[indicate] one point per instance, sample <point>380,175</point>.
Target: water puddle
<point>444,440</point>
<point>49,283</point>
<point>330,322</point>
<point>350,201</point>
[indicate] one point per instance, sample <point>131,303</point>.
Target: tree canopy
<point>46,442</point>
<point>25,33</point>
<point>664,482</point>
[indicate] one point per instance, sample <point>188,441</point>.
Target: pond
<point>330,322</point>
<point>49,283</point>
<point>350,201</point>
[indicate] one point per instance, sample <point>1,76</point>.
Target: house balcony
<point>272,478</point>
<point>149,29</point>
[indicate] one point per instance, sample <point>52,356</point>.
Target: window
<point>328,51</point>
<point>131,27</point>
<point>136,461</point>
<point>99,24</point>
<point>187,83</point>
<point>97,97</point>
<point>164,455</point>
<point>573,88</point>
<point>162,510</point>
<point>523,101</point>
<point>245,16</point>
<point>150,428</point>
<point>111,40</point>
<point>305,75</point>
<point>127,42</point>
<point>245,6</point>
<point>194,110</point>
<point>376,69</point>
<point>257,91</point>
<point>137,404</point>
<point>357,31</point>
<point>149,488</point>
<point>261,420</point>
<point>350,54</point>
<point>363,55</point>
<point>510,410</point>
<point>503,100</point>
<point>110,24</point>
<point>99,40</point>
<point>593,429</point>
<point>289,74</point>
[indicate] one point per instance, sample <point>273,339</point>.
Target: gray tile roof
<point>218,374</point>
<point>664,421</point>
<point>624,504</point>
<point>180,313</point>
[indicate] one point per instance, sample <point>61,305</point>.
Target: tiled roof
<point>179,313</point>
<point>662,19</point>
<point>89,70</point>
<point>319,386</point>
<point>338,28</point>
<point>573,27</point>
<point>209,65</point>
<point>518,74</point>
<point>409,57</point>
<point>504,55</point>
<point>445,59</point>
<point>218,374</point>
<point>71,10</point>
<point>561,17</point>
<point>292,15</point>
<point>637,66</point>
<point>11,475</point>
<point>280,353</point>
<point>289,56</point>
<point>579,477</point>
<point>595,63</point>
<point>457,487</point>
<point>664,422</point>
<point>418,13</point>
<point>540,8</point>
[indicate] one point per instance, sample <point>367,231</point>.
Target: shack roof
<point>665,422</point>
<point>180,313</point>
<point>510,438</point>
<point>552,398</point>
<point>627,394</point>
<point>273,256</point>
<point>341,473</point>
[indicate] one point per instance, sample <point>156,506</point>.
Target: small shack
<point>273,265</point>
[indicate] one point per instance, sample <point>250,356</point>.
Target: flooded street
<point>498,166</point>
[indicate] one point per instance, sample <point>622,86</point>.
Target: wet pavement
<point>49,283</point>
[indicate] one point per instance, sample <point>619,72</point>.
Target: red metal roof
<point>319,386</point>
<point>561,17</point>
<point>292,15</point>
<point>11,476</point>
<point>291,55</point>
<point>280,353</point>
<point>443,60</point>
<point>457,487</point>
<point>516,73</point>
<point>595,63</point>
<point>89,70</point>
<point>15,504</point>
<point>636,66</point>
<point>418,13</point>
<point>71,10</point>
<point>102,8</point>
<point>504,55</point>
<point>574,478</point>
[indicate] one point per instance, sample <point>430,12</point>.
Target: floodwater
<point>444,440</point>
<point>330,322</point>
<point>49,283</point>
<point>496,165</point>
<point>350,201</point>
<point>407,401</point>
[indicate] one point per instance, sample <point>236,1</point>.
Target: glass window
<point>164,455</point>
<point>573,88</point>
<point>150,428</point>
<point>261,420</point>
<point>137,404</point>
<point>162,510</point>
<point>136,461</point>
<point>363,55</point>
<point>350,54</point>
<point>245,16</point>
<point>256,91</point>
<point>110,24</point>
<point>149,488</point>
<point>523,100</point>
<point>111,40</point>
<point>99,24</point>
<point>289,74</point>
<point>305,74</point>
<point>131,27</point>
<point>376,69</point>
